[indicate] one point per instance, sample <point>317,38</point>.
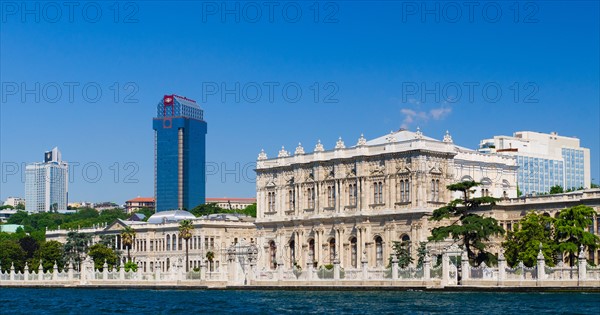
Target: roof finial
<point>361,141</point>
<point>262,155</point>
<point>448,137</point>
<point>299,149</point>
<point>340,144</point>
<point>283,152</point>
<point>419,134</point>
<point>319,147</point>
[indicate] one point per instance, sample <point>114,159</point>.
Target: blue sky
<point>365,59</point>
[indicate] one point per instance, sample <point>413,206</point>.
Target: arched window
<point>272,255</point>
<point>401,195</point>
<point>353,252</point>
<point>173,242</point>
<point>168,263</point>
<point>293,252</point>
<point>406,241</point>
<point>291,199</point>
<point>379,251</point>
<point>332,250</point>
<point>311,250</point>
<point>168,242</point>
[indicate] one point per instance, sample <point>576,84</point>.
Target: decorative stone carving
<point>391,138</point>
<point>419,134</point>
<point>299,149</point>
<point>283,152</point>
<point>361,141</point>
<point>319,147</point>
<point>262,155</point>
<point>340,144</point>
<point>448,137</point>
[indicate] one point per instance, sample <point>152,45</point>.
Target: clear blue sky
<point>369,58</point>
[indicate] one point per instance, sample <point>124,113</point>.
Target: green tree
<point>12,253</point>
<point>20,206</point>
<point>131,266</point>
<point>402,252</point>
<point>250,210</point>
<point>185,231</point>
<point>557,189</point>
<point>421,253</point>
<point>571,233</point>
<point>101,253</point>
<point>76,246</point>
<point>206,209</point>
<point>522,244</point>
<point>49,253</point>
<point>472,229</point>
<point>30,245</point>
<point>127,237</point>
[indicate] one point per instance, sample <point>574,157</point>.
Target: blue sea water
<point>111,301</point>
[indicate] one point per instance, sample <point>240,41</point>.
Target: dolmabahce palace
<point>346,205</point>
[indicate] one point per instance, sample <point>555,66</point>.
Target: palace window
<point>378,192</point>
<point>403,191</point>
<point>352,194</point>
<point>332,250</point>
<point>272,255</point>
<point>353,252</point>
<point>435,190</point>
<point>271,201</point>
<point>291,199</point>
<point>310,193</point>
<point>311,250</point>
<point>379,251</point>
<point>331,196</point>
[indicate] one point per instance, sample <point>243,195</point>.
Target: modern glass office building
<point>180,153</point>
<point>46,184</point>
<point>544,160</point>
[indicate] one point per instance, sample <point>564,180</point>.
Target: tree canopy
<point>472,229</point>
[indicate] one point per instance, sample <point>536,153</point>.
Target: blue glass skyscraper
<point>179,154</point>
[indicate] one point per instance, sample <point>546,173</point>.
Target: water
<point>110,301</point>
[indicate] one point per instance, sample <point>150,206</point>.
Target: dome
<point>170,216</point>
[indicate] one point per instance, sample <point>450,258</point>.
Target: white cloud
<point>411,116</point>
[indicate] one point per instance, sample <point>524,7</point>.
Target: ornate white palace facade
<point>351,203</point>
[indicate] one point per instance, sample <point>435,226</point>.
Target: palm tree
<point>185,231</point>
<point>127,236</point>
<point>210,256</point>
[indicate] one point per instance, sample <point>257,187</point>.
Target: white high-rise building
<point>46,184</point>
<point>544,160</point>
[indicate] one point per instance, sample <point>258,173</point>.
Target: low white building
<point>14,201</point>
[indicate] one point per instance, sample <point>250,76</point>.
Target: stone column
<point>501,268</point>
<point>445,269</point>
<point>105,271</point>
<point>582,264</point>
<point>365,266</point>
<point>122,271</point>
<point>26,272</point>
<point>202,270</point>
<point>466,267</point>
<point>280,269</point>
<point>55,272</point>
<point>12,272</point>
<point>394,267</point>
<point>541,265</point>
<point>427,267</point>
<point>41,271</point>
<point>336,269</point>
